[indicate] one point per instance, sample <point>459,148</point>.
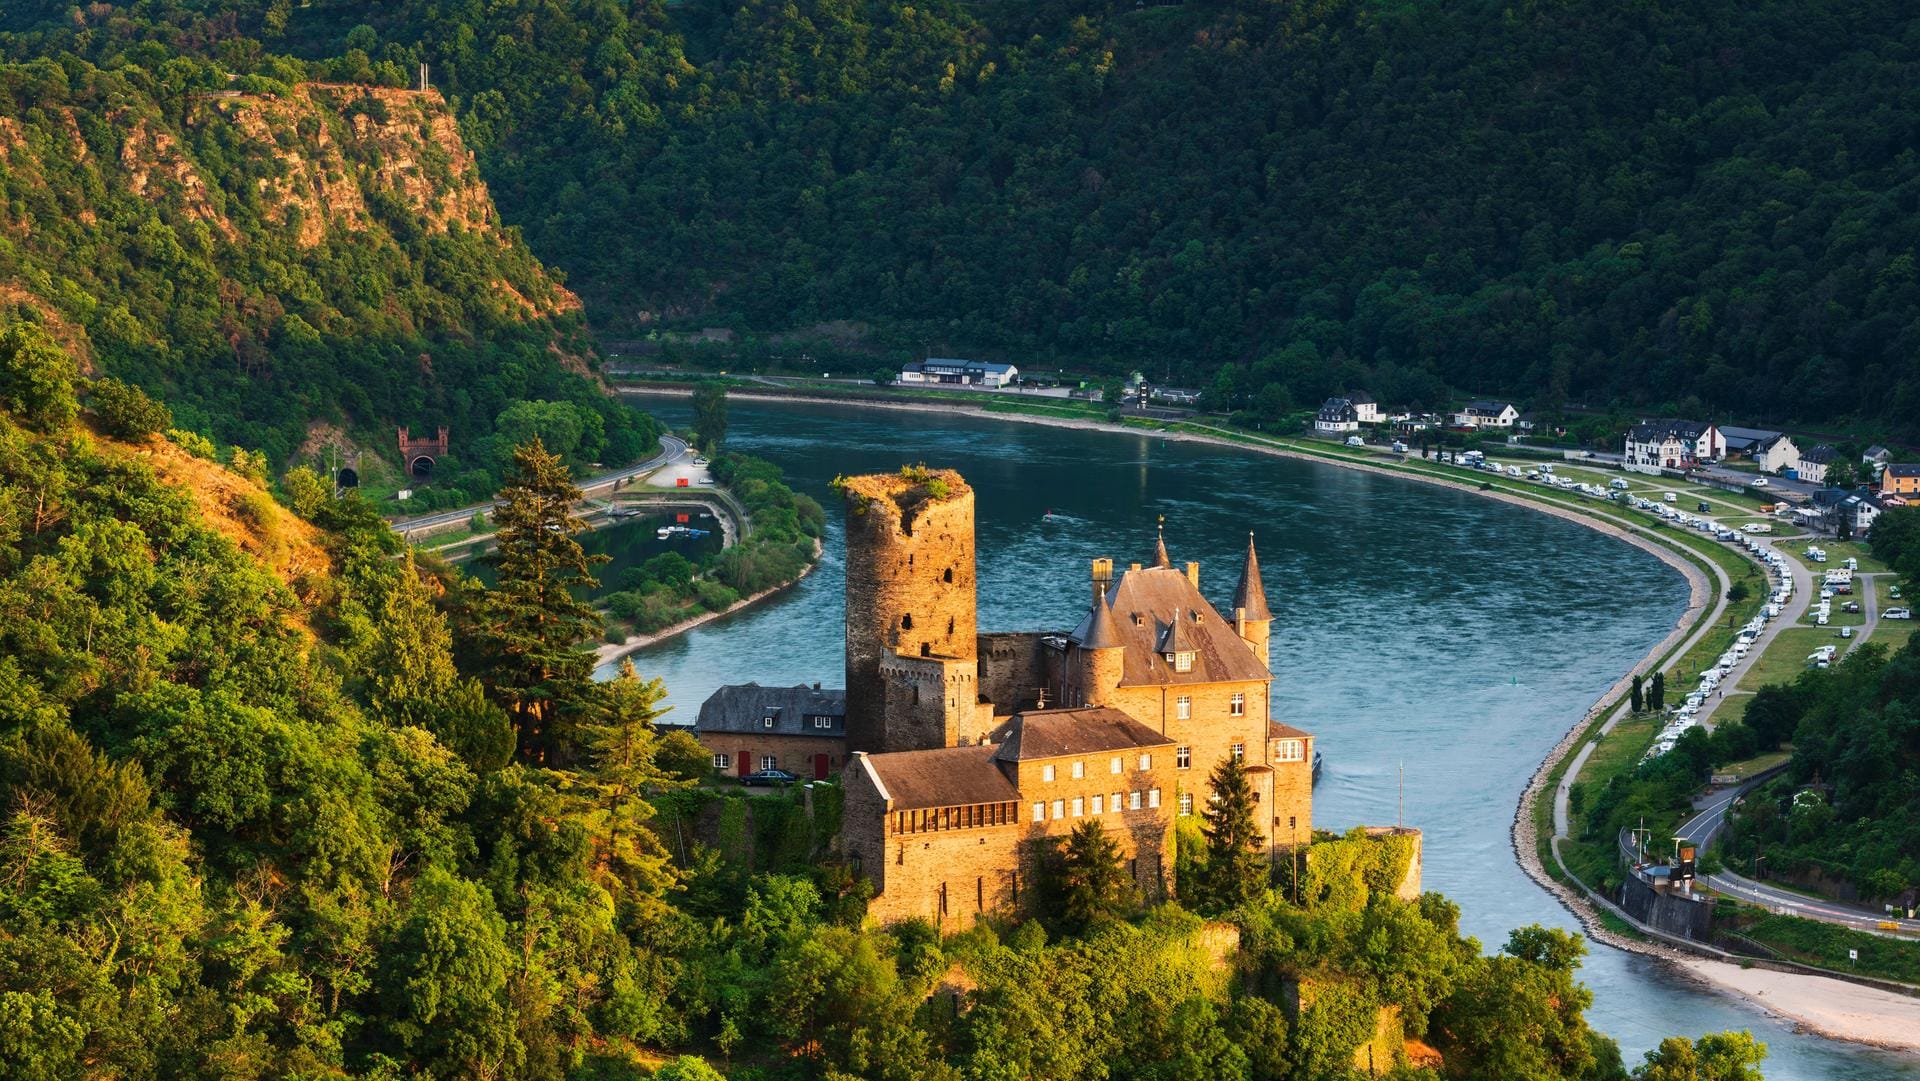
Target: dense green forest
<point>287,265</point>
<point>277,802</point>
<point>1707,206</point>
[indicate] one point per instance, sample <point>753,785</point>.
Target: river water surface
<point>1416,629</point>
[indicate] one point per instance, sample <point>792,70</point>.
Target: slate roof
<point>1822,453</point>
<point>941,777</point>
<point>1361,397</point>
<point>1250,594</point>
<point>744,707</point>
<point>1145,603</point>
<point>1486,408</point>
<point>1901,469</point>
<point>1743,438</point>
<point>1060,733</point>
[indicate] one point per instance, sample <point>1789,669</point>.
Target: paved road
<point>1796,606</point>
<point>671,448</point>
<point>1706,823</point>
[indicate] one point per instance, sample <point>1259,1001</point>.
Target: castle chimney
<point>1193,574</point>
<point>1102,577</point>
<point>1133,566</point>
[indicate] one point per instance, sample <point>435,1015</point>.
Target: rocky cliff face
<point>278,254</point>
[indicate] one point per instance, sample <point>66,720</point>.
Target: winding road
<point>672,448</point>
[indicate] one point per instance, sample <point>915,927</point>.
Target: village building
<point>974,373</point>
<point>1743,442</point>
<point>803,729</point>
<point>1482,413</point>
<point>1815,463</point>
<point>1365,408</point>
<point>1900,480</point>
<point>1336,416</point>
<point>973,751</point>
<point>1876,456</point>
<point>1776,454</point>
<point>1672,444</point>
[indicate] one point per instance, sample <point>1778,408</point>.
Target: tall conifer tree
<point>533,623</point>
<point>1236,868</point>
<point>1093,884</point>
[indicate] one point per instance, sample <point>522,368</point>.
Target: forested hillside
<point>277,258</point>
<point>1711,205</point>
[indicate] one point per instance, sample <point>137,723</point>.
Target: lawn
<point>1838,551</point>
<point>1740,771</point>
<point>1825,945</point>
<point>1893,634</point>
<point>1786,656</point>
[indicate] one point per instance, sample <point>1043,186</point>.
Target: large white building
<point>977,373</point>
<point>1673,444</point>
<point>1481,413</point>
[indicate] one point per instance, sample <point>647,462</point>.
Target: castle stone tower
<point>1251,617</point>
<point>912,668</point>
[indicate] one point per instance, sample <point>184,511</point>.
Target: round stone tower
<point>910,598</point>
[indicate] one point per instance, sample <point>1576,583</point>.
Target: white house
<point>1672,444</point>
<point>1365,409</point>
<point>1815,463</point>
<point>978,373</point>
<point>1776,454</point>
<point>1481,413</point>
<point>1336,415</point>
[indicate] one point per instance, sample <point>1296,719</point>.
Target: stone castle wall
<point>1013,669</point>
<point>910,590</point>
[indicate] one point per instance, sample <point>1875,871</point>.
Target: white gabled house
<point>1482,413</point>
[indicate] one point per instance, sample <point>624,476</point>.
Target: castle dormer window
<point>1181,661</point>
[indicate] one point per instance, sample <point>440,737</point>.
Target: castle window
<point>767,721</point>
<point>1059,808</point>
<point>1183,757</point>
<point>1046,773</point>
<point>1133,801</point>
<point>1186,803</point>
<point>1146,761</point>
<point>1153,797</point>
<point>1183,707</point>
<point>1079,806</point>
<point>721,761</point>
<point>1114,765</point>
<point>1293,750</point>
<point>768,761</point>
<point>822,720</point>
<point>1099,806</point>
<point>1239,752</point>
<point>1292,822</point>
<point>947,576</point>
<point>1039,812</point>
<point>1079,770</point>
<point>906,622</point>
<point>1182,661</point>
<point>1237,705</point>
<point>1113,802</point>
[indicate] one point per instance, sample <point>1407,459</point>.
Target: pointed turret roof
<point>1250,594</point>
<point>1160,558</point>
<point>1098,630</point>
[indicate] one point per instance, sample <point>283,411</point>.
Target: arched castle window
<point>906,622</point>
<point>947,576</point>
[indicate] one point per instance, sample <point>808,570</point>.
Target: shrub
<point>125,411</point>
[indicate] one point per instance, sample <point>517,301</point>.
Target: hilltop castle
<point>967,748</point>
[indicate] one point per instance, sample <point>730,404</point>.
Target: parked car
<point>1355,441</point>
<point>1850,606</point>
<point>773,778</point>
<point>1760,482</point>
<point>1896,613</point>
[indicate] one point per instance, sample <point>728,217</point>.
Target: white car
<point>1896,613</point>
<point>1760,482</point>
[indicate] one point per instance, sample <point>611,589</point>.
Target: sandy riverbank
<point>1832,1008</point>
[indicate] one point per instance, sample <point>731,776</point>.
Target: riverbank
<point>1697,568</point>
<point>609,652</point>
